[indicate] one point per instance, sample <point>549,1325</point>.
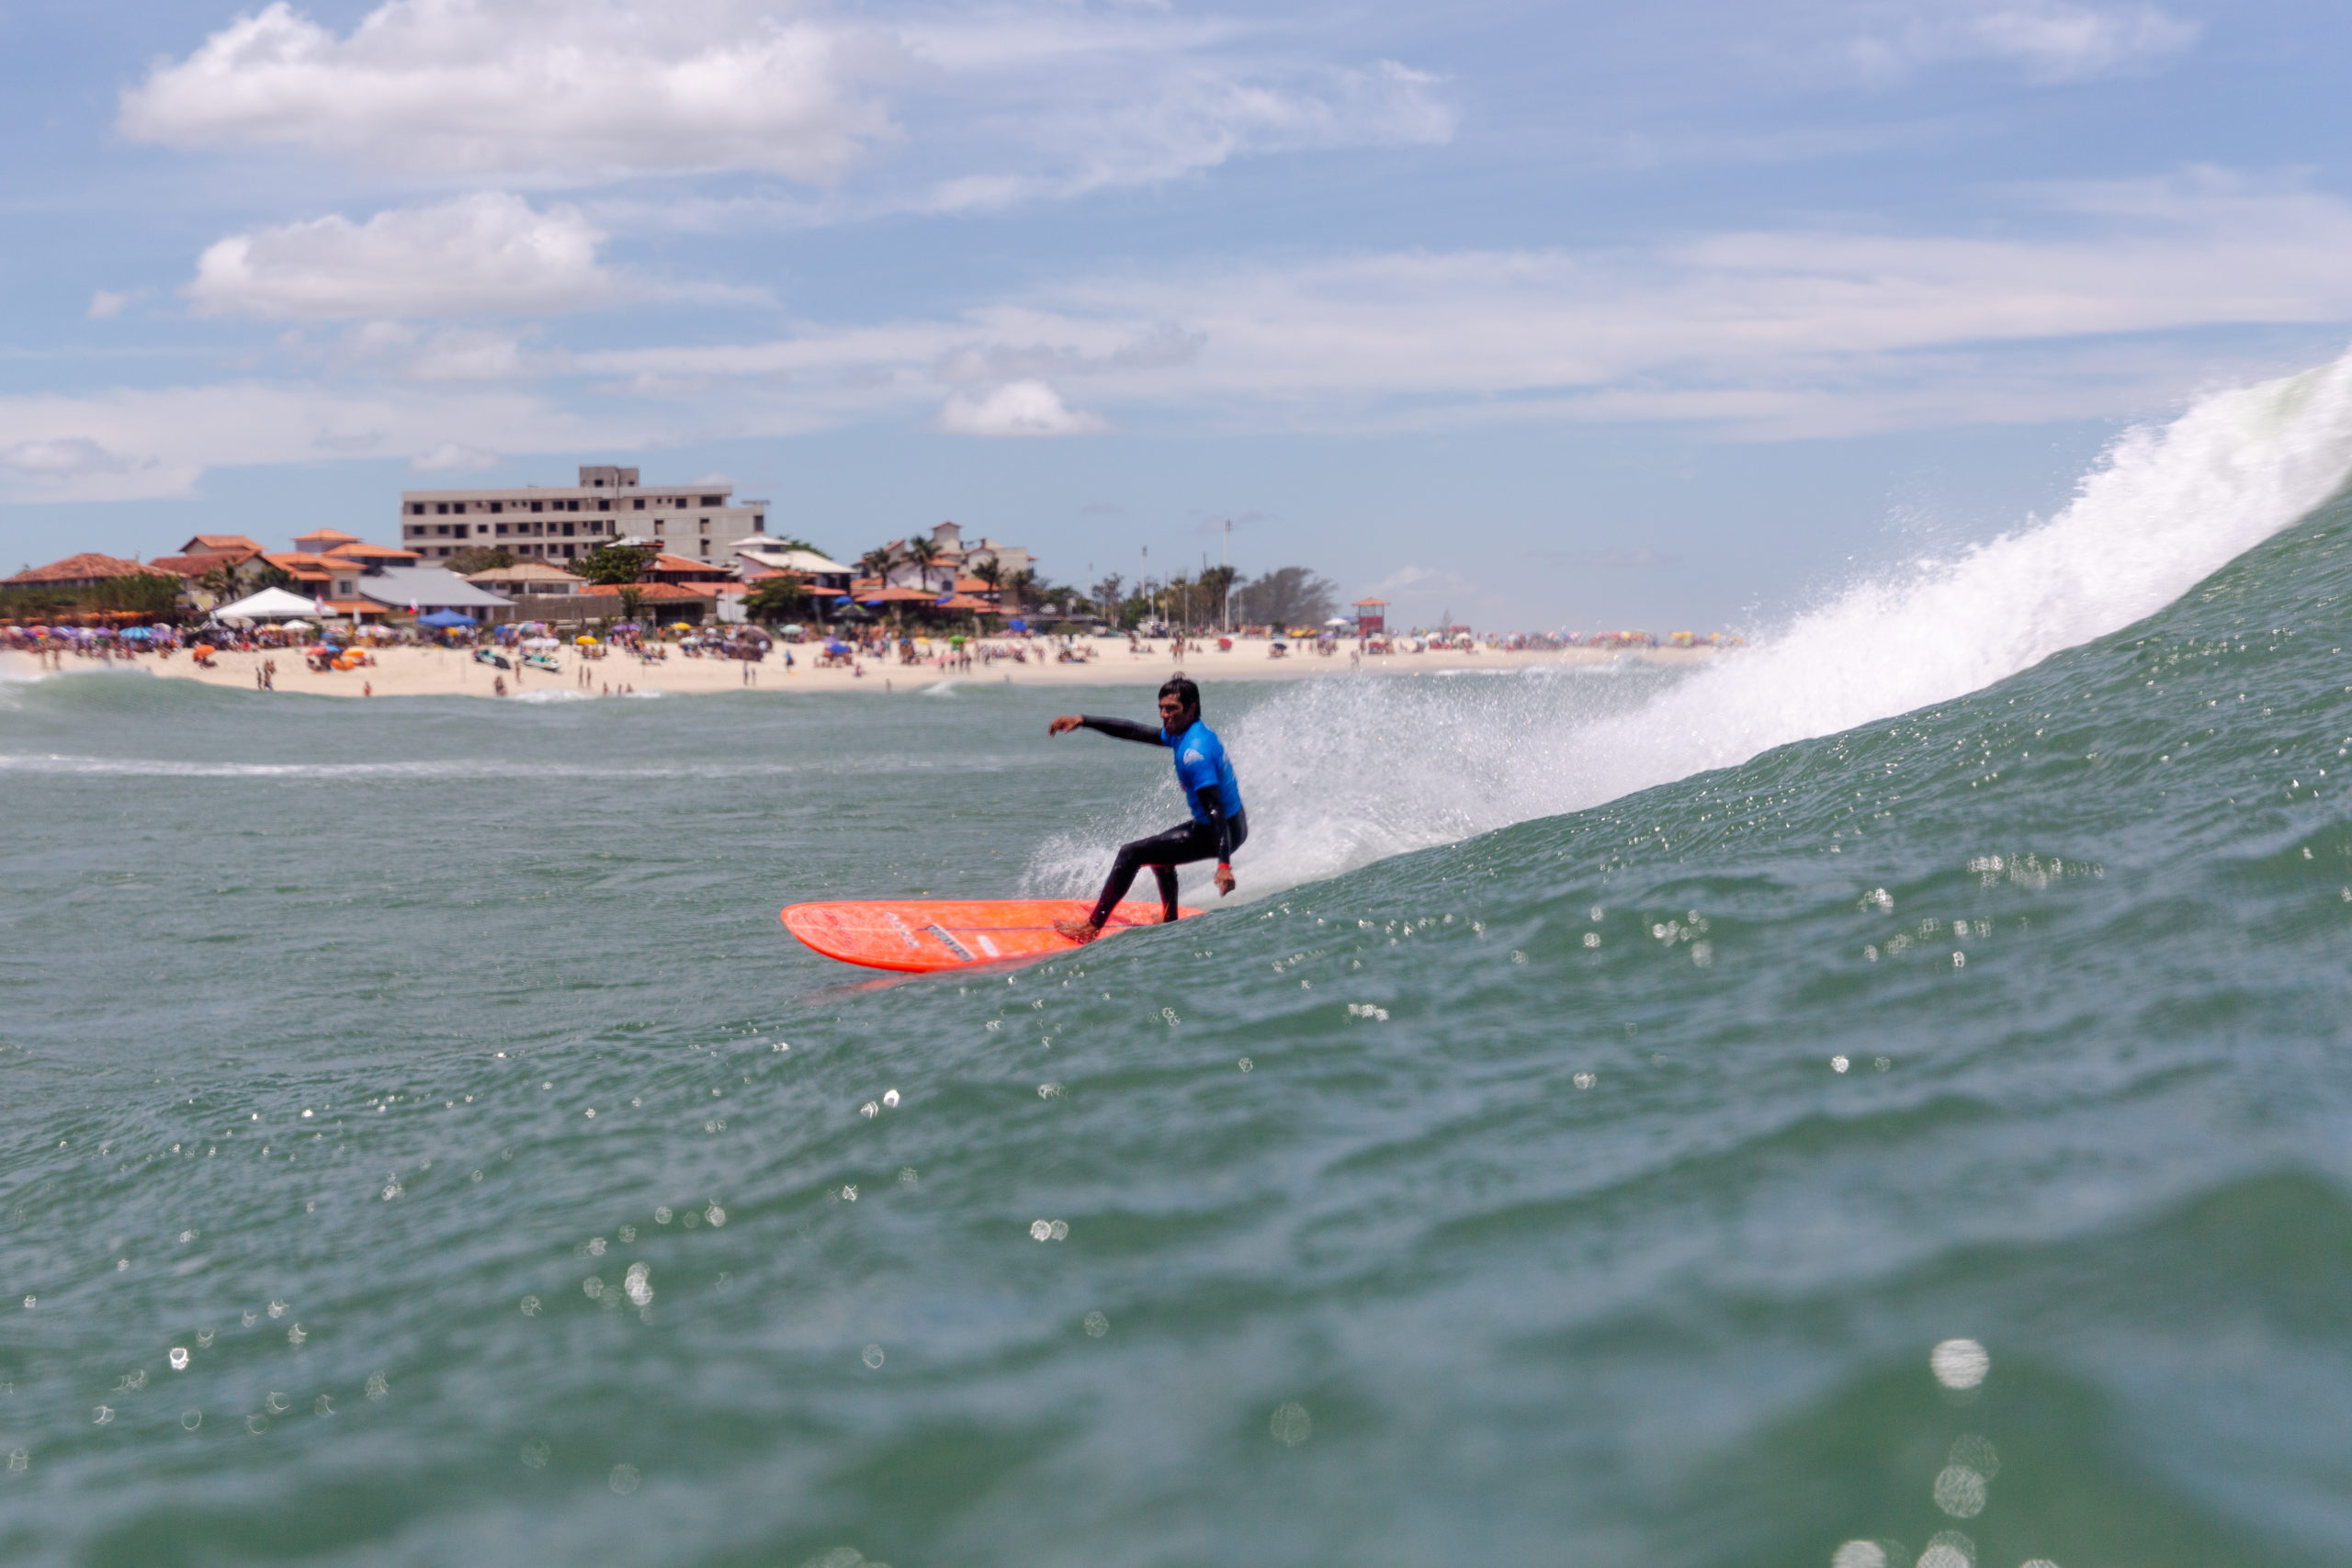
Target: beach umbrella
<point>445,618</point>
<point>297,625</point>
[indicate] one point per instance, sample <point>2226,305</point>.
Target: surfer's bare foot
<point>1078,930</point>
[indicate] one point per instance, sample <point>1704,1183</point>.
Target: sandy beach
<point>431,671</point>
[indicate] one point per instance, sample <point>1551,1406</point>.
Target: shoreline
<point>433,672</point>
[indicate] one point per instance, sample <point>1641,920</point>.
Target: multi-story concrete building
<point>557,523</point>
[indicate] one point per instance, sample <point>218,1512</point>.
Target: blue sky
<point>1546,315</point>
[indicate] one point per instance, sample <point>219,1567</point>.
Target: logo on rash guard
<point>1191,756</point>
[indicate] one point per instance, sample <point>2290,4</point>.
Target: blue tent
<point>444,618</point>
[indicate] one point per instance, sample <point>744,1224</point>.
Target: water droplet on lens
<point>535,1454</point>
<point>1949,1549</point>
<point>1959,1492</point>
<point>871,1354</point>
<point>179,1358</point>
<point>1859,1554</point>
<point>1096,1325</point>
<point>623,1479</point>
<point>1291,1425</point>
<point>1960,1363</point>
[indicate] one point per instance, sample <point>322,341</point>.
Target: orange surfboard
<point>922,934</point>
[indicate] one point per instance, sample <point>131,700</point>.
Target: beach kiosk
<point>1372,616</point>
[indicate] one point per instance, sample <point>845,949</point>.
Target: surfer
<point>1205,774</point>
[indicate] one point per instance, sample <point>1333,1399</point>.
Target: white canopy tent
<point>270,604</point>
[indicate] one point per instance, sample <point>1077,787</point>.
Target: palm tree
<point>1021,582</point>
<point>921,552</point>
<point>991,572</point>
<point>876,563</point>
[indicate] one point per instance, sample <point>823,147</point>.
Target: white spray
<point>1340,772</point>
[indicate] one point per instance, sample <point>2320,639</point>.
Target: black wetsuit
<point>1219,826</point>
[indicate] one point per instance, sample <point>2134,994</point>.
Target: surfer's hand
<point>1068,721</point>
<point>1224,880</point>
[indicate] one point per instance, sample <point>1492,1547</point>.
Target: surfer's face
<point>1174,717</point>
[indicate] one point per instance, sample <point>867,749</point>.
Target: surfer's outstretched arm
<point>1118,728</point>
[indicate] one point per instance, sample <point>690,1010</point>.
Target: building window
<point>713,500</point>
<point>657,525</point>
<point>502,530</point>
<point>568,551</point>
<point>758,522</point>
<point>640,506</point>
<point>442,507</point>
<point>497,506</point>
<point>483,528</point>
<point>567,530</point>
<point>535,505</point>
<point>416,509</point>
<point>604,506</point>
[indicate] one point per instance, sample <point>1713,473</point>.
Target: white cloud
<point>453,457</point>
<point>485,254</point>
<point>1769,334</point>
<point>2053,40</point>
<point>106,307</point>
<point>555,90</point>
<point>139,443</point>
<point>1025,100</point>
<point>1759,335</point>
<point>1017,408</point>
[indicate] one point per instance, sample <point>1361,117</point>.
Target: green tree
<point>480,558</point>
<point>613,565</point>
<point>876,563</point>
<point>1024,583</point>
<point>1287,596</point>
<point>991,572</point>
<point>632,599</point>
<point>150,594</point>
<point>783,598</point>
<point>219,581</point>
<point>268,574</point>
<point>1209,595</point>
<point>920,553</point>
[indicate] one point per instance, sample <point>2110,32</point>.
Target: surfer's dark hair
<point>1183,691</point>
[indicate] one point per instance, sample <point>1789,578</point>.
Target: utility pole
<point>1225,558</point>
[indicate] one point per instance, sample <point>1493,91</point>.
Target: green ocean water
<point>1607,1093</point>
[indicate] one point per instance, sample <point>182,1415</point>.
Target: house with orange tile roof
<point>85,571</point>
<point>233,545</point>
<point>374,555</point>
<point>319,541</point>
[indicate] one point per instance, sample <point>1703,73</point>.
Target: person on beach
<point>1219,826</point>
